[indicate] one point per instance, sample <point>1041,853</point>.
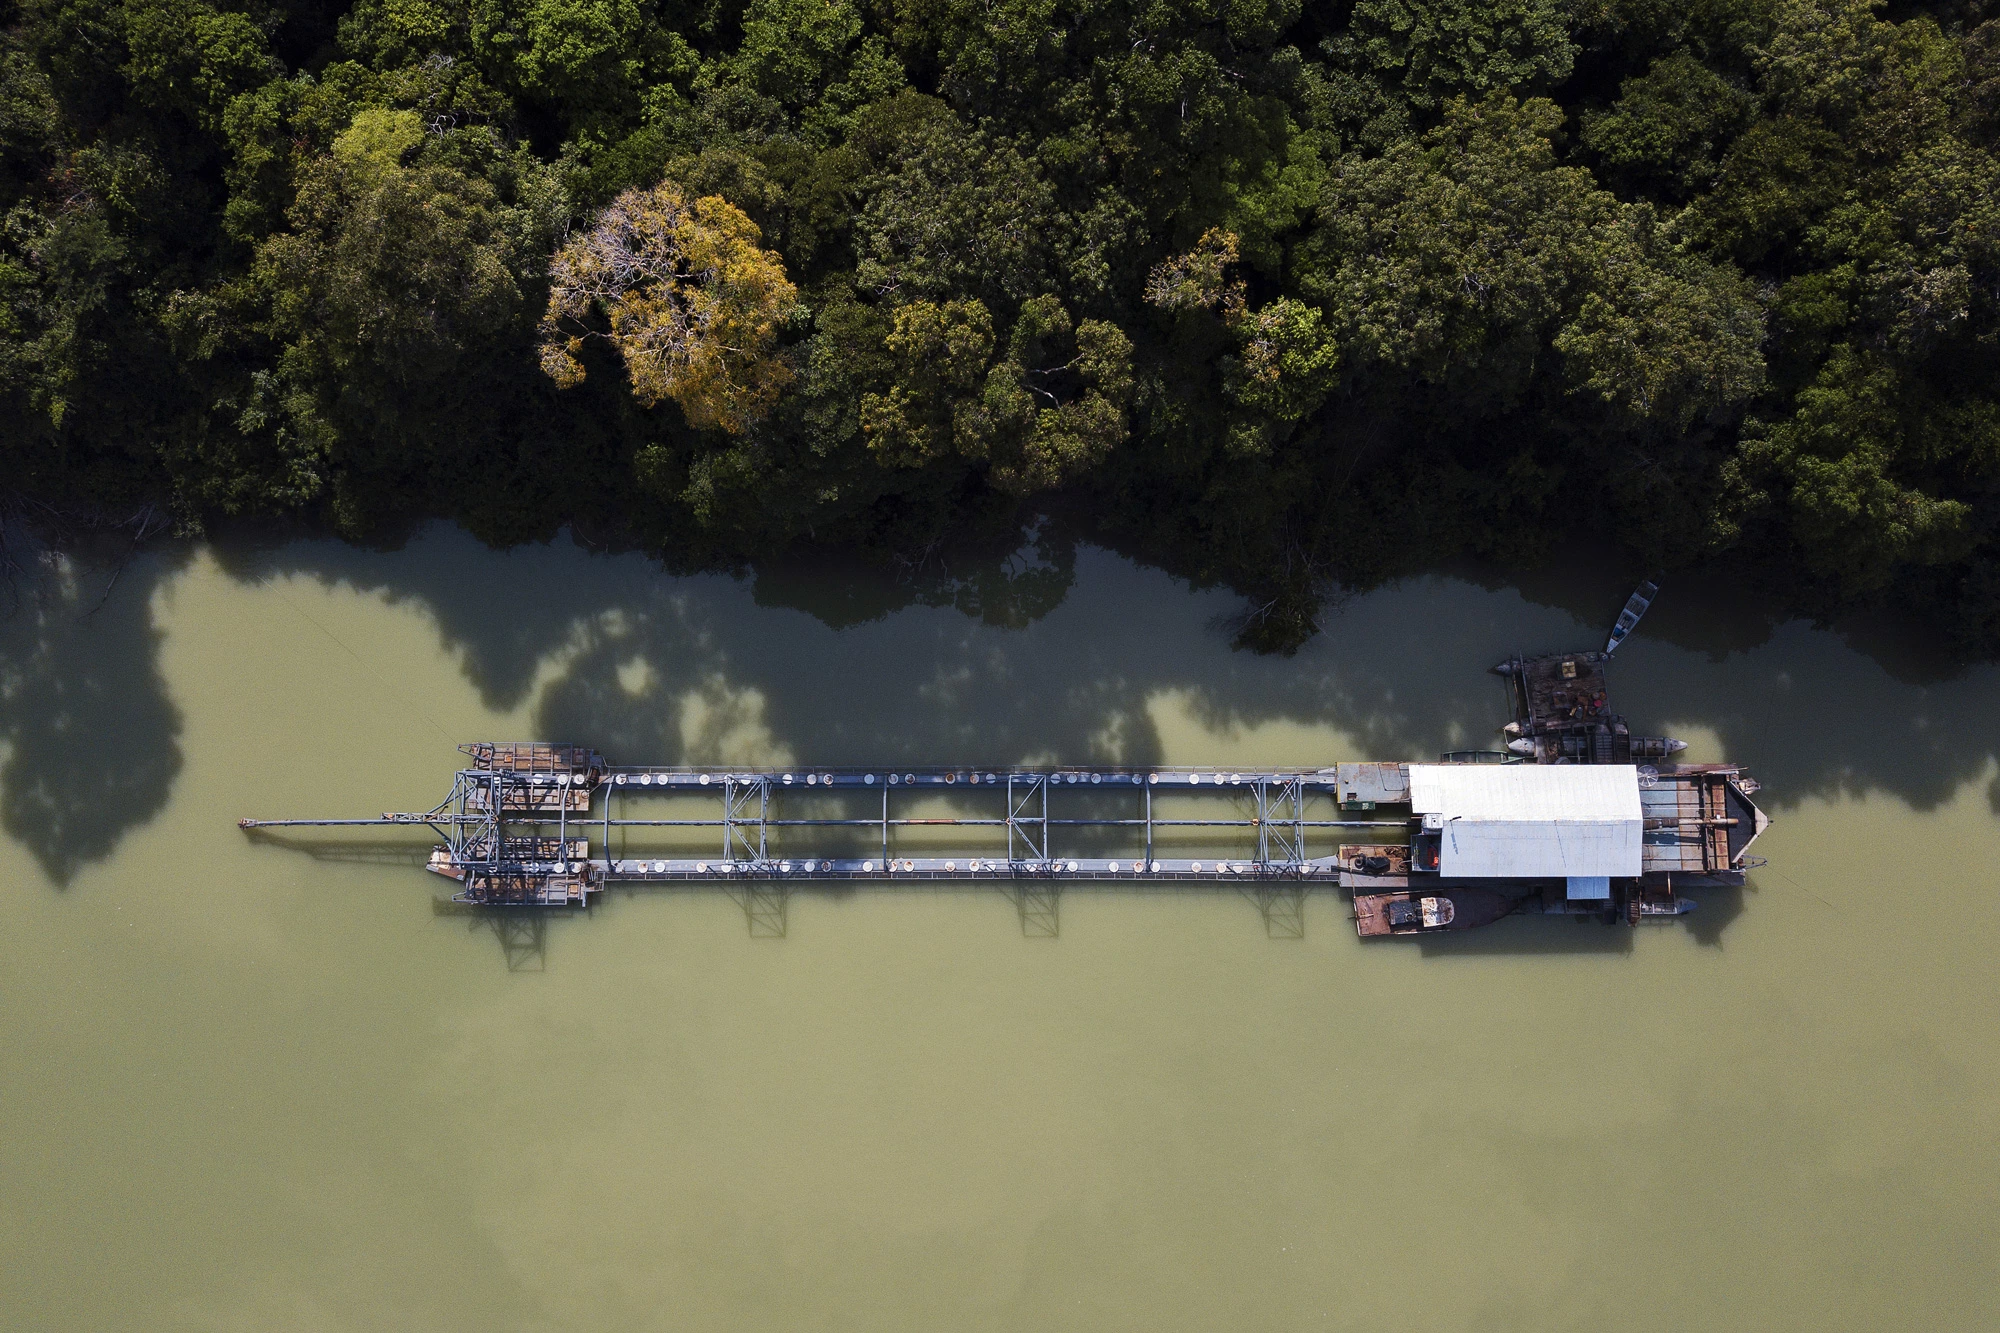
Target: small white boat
<point>1635,606</point>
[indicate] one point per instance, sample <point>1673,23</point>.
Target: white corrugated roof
<point>1533,820</point>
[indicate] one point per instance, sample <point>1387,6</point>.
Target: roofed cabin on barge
<point>1581,818</point>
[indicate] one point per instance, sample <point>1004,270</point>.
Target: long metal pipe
<point>608,823</point>
<point>487,800</point>
<point>980,823</point>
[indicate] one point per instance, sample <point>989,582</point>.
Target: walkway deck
<point>510,813</point>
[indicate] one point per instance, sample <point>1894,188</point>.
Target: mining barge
<point>1575,816</point>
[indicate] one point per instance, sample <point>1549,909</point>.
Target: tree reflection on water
<point>1057,652</point>
<point>92,740</point>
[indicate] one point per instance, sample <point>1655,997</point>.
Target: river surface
<point>249,1085</point>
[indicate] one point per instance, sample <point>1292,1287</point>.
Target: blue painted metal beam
<point>539,785</point>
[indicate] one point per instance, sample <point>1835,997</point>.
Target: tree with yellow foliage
<point>694,305</point>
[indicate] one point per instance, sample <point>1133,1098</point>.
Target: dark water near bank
<point>248,1086</point>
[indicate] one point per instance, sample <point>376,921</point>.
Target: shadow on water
<point>1066,654</point>
<point>1069,654</point>
<point>92,741</point>
<point>347,849</point>
<point>1534,934</point>
<point>522,933</point>
<point>1874,702</point>
<point>1057,653</point>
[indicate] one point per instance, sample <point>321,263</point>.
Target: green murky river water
<point>253,1087</point>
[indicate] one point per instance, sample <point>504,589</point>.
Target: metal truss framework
<point>497,821</point>
<point>1021,813</point>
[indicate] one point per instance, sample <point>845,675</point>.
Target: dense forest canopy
<point>1284,295</point>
